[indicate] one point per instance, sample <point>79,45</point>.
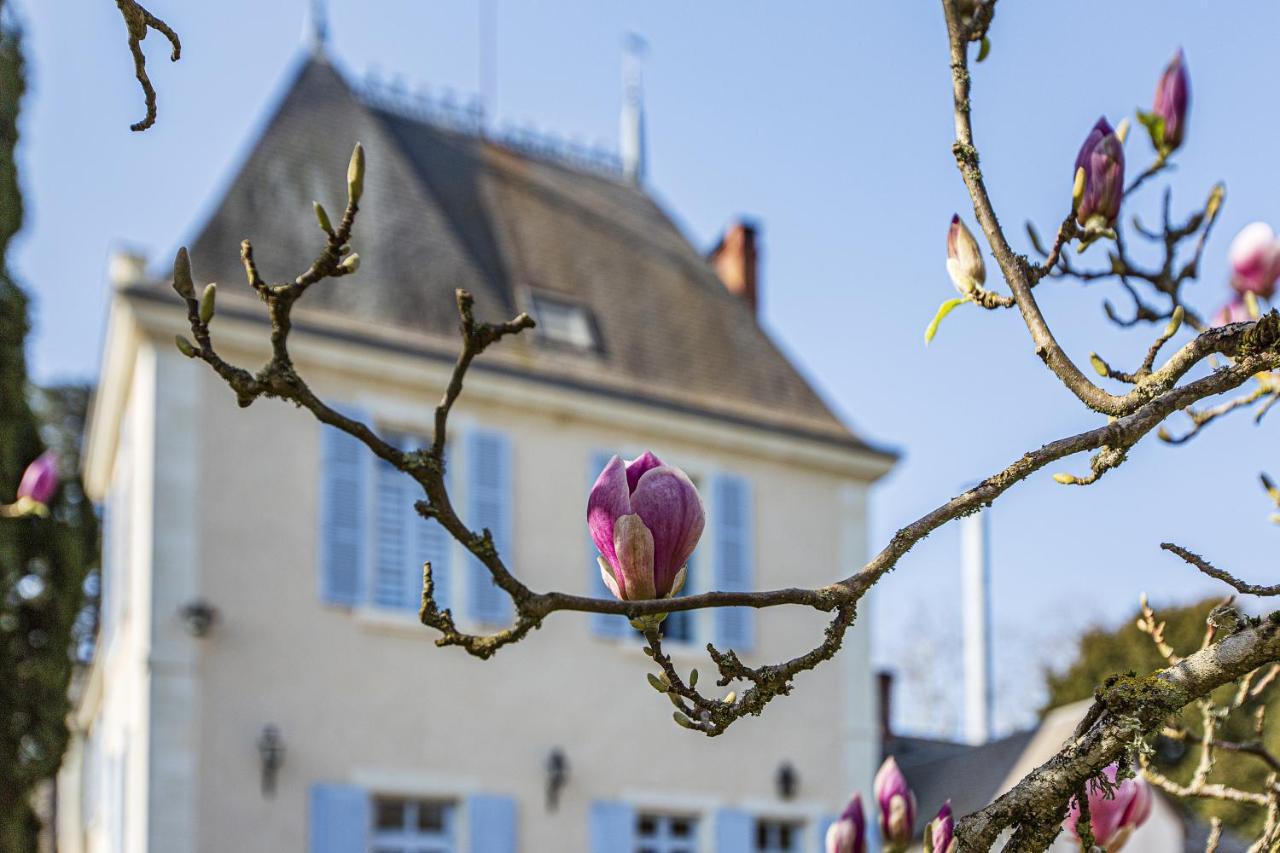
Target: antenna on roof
<point>318,25</point>
<point>487,56</point>
<point>631,142</point>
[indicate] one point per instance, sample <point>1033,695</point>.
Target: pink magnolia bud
<point>849,833</point>
<point>645,518</point>
<point>1234,311</point>
<point>964,258</point>
<point>1114,820</point>
<point>1255,260</point>
<point>897,805</point>
<point>1102,159</point>
<point>40,480</point>
<point>1173,95</point>
<point>939,834</point>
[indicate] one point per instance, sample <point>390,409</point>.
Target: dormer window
<point>564,322</point>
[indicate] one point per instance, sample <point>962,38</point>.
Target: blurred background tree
<point>42,560</point>
<point>1107,652</point>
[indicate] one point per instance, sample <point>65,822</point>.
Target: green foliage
<point>1106,653</point>
<point>42,560</point>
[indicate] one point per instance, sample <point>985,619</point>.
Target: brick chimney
<point>735,260</point>
<point>884,684</point>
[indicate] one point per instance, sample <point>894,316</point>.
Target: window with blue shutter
<point>733,831</point>
<point>611,827</point>
<point>403,539</point>
<point>344,479</point>
<point>489,507</point>
<point>392,568</point>
<point>338,819</point>
<point>405,825</point>
<point>430,542</point>
<point>731,522</point>
<point>602,624</point>
<point>491,823</point>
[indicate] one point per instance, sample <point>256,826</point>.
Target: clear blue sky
<point>828,121</point>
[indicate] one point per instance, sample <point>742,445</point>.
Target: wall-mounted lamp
<point>786,780</point>
<point>271,754</point>
<point>198,617</point>
<point>557,777</point>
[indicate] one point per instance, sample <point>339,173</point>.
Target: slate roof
<point>969,776</point>
<point>446,209</point>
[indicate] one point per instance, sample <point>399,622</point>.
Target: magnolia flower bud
<point>1102,159</point>
<point>182,275</point>
<point>1255,260</point>
<point>355,174</point>
<point>964,258</point>
<point>849,833</point>
<point>1113,820</point>
<point>1234,311</point>
<point>184,346</point>
<point>939,833</point>
<point>1173,95</point>
<point>645,518</point>
<point>897,805</point>
<point>322,216</point>
<point>207,300</point>
<point>40,479</point>
<point>350,263</point>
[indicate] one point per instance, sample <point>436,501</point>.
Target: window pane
<point>647,826</point>
<point>681,827</point>
<point>431,817</point>
<point>390,814</point>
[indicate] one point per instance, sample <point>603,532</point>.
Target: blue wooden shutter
<point>344,478</point>
<point>339,819</point>
<point>734,563</point>
<point>393,571</point>
<point>733,831</point>
<point>491,823</point>
<point>489,506</point>
<point>611,827</point>
<point>430,542</point>
<point>602,624</point>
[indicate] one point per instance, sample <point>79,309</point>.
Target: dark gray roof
<point>969,776</point>
<point>446,209</point>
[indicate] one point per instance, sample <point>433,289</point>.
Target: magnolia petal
<point>637,467</point>
<point>633,543</point>
<point>609,500</point>
<point>607,574</point>
<point>678,583</point>
<point>672,511</point>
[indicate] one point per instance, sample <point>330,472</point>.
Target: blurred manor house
<point>261,682</point>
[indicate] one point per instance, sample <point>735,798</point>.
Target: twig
<point>1226,577</point>
<point>137,21</point>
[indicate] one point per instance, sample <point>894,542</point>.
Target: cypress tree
<point>42,560</point>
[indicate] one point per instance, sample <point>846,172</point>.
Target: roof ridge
<point>446,111</point>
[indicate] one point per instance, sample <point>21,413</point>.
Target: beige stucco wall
<point>364,696</point>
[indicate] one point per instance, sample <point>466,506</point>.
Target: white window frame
<point>798,825</point>
<point>693,844</point>
<point>410,839</point>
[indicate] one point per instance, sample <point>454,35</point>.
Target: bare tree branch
<point>138,20</point>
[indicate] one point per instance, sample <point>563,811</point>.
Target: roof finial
<point>631,144</point>
<point>318,25</point>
